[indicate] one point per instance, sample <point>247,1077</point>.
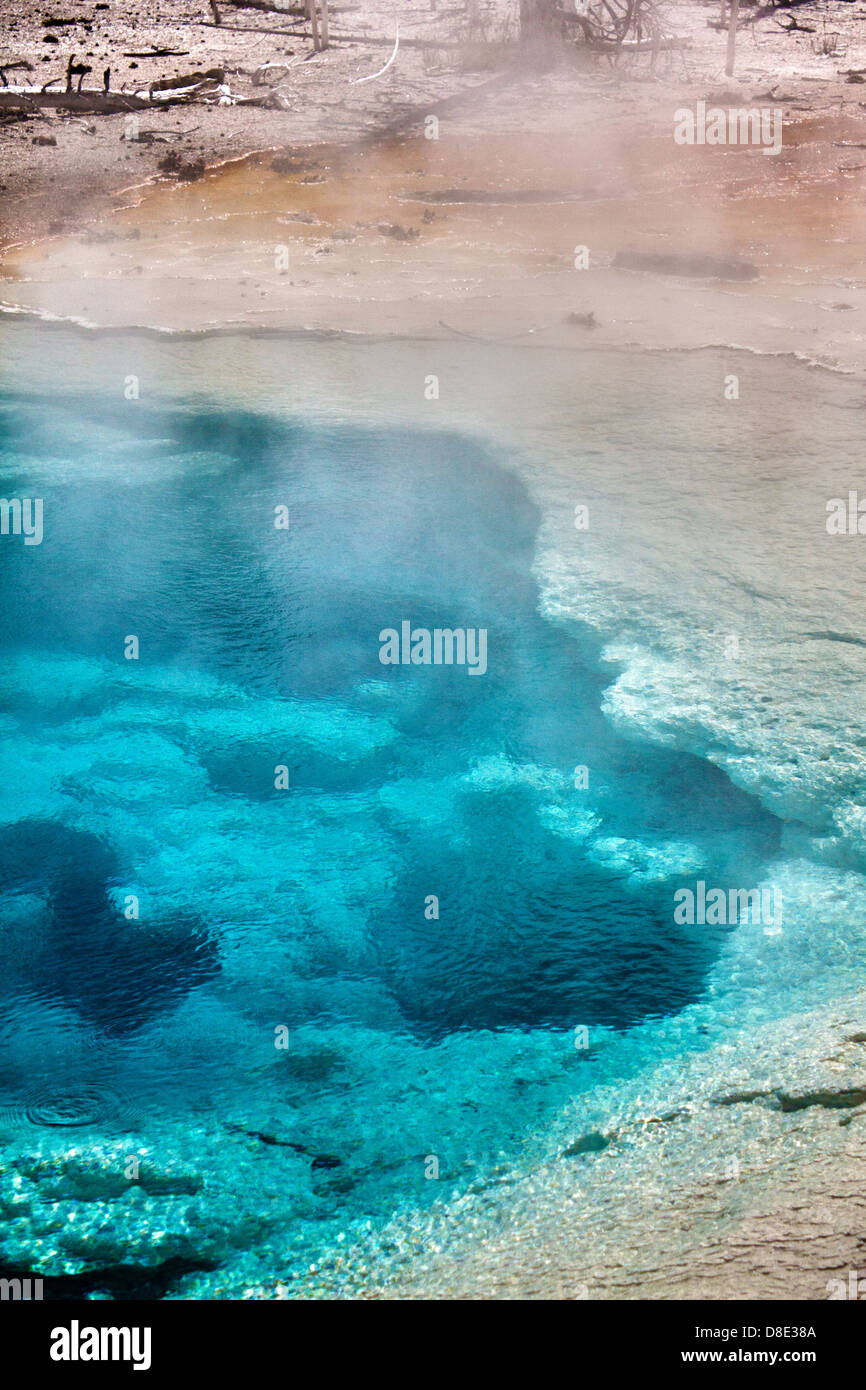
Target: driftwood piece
<point>376,42</point>
<point>188,79</point>
<point>185,96</point>
<point>267,5</point>
<point>93,103</point>
<point>13,67</point>
<point>270,73</point>
<point>155,137</point>
<point>159,53</point>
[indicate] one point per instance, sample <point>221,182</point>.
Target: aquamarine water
<point>411,1034</point>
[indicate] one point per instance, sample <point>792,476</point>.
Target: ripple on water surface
<point>431,906</point>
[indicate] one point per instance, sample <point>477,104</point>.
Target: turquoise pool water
<point>302,994</point>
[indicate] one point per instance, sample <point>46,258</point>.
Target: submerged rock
<point>128,1213</point>
<point>591,1143</point>
<point>675,263</point>
<point>827,1099</point>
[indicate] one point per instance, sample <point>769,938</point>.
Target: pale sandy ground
<point>71,183</point>
<point>580,156</point>
<point>371,250</point>
<point>782,1223</point>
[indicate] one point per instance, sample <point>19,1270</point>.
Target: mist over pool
<point>301,945</point>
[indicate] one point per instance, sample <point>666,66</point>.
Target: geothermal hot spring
<point>299,946</point>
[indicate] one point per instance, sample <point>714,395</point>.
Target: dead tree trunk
<point>312,12</point>
<point>732,38</point>
<point>540,28</point>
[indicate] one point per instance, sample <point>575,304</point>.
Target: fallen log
<point>188,79</point>
<point>178,96</point>
<point>309,12</point>
<point>302,19</point>
<point>409,43</point>
<point>160,53</point>
<point>269,5</point>
<point>293,8</point>
<point>94,103</point>
<point>251,29</point>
